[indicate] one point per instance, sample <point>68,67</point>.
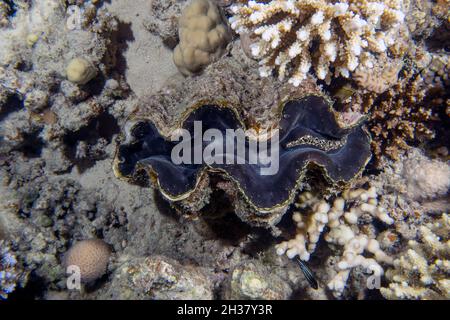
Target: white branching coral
<point>423,271</point>
<point>341,217</point>
<point>294,36</point>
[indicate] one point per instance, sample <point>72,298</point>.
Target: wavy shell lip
<point>309,135</point>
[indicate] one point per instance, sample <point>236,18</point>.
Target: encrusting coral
<point>342,218</point>
<point>423,269</point>
<point>425,178</point>
<point>293,37</point>
<point>204,35</point>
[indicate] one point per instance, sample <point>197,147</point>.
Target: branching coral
<point>381,77</point>
<point>423,271</point>
<point>341,217</point>
<point>295,36</point>
<point>403,116</point>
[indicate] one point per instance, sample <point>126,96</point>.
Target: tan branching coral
<point>204,35</point>
<point>341,216</point>
<point>423,270</point>
<point>294,36</point>
<point>403,116</point>
<point>380,78</point>
<point>425,16</point>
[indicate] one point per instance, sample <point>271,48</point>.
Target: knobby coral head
<point>266,168</point>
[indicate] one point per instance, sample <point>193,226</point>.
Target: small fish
<point>309,275</point>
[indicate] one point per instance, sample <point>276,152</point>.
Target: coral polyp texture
<point>309,136</point>
<point>204,35</point>
<point>90,257</point>
<point>293,37</point>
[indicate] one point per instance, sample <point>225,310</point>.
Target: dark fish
<point>309,275</point>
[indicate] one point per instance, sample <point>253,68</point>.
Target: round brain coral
<point>204,35</point>
<point>80,71</point>
<point>91,256</point>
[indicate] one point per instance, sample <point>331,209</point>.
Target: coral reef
<point>4,14</point>
<point>366,233</point>
<point>422,271</point>
<point>349,35</point>
<point>342,217</point>
<point>37,103</point>
<point>90,256</point>
<point>309,136</point>
<point>203,35</point>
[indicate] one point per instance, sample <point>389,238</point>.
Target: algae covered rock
<point>256,281</point>
<point>161,278</point>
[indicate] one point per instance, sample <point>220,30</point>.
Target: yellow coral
<point>80,71</point>
<point>203,37</point>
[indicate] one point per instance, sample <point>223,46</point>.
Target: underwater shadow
<point>122,37</point>
<point>104,127</point>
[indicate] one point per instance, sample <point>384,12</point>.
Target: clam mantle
<point>309,136</point>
